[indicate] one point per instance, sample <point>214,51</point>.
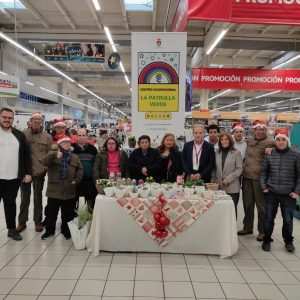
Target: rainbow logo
<point>158,70</point>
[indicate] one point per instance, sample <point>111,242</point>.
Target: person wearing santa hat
<point>252,194</point>
<point>280,183</point>
<point>238,134</point>
<point>40,144</point>
<point>60,127</point>
<point>64,172</point>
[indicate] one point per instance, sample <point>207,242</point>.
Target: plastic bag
<point>79,236</point>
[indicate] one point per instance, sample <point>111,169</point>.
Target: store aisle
<point>53,269</point>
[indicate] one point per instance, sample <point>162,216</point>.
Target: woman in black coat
<point>144,161</point>
<point>171,159</point>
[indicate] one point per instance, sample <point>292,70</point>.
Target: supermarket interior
<point>164,221</point>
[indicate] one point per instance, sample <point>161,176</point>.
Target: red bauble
<point>159,233</point>
<point>157,217</point>
<point>164,220</point>
<point>164,233</point>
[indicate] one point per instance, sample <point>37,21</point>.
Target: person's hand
<point>73,182</point>
<point>145,171</point>
<point>192,177</point>
<point>59,154</point>
<point>225,182</point>
<point>197,176</point>
<point>294,195</point>
<point>268,151</point>
<point>266,191</point>
<point>27,179</point>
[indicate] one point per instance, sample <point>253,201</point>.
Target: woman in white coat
<point>228,168</point>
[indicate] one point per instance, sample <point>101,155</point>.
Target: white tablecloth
<point>114,230</point>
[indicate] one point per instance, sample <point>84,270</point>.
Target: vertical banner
<point>158,83</point>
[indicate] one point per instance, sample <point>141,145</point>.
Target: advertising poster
<point>79,52</point>
<point>158,83</point>
<point>9,86</point>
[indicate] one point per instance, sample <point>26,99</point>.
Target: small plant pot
<point>144,193</point>
<point>189,191</point>
<point>133,195</point>
<point>120,193</point>
<point>109,191</point>
<point>199,190</point>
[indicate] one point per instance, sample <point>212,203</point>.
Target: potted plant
<point>134,192</point>
<point>120,191</point>
<point>199,186</point>
<point>109,190</point>
<point>189,187</point>
<point>80,227</point>
<point>144,192</point>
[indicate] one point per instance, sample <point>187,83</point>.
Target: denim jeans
<point>287,206</point>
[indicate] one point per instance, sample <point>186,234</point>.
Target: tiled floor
<point>53,269</point>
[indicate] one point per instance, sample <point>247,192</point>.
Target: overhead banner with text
<point>282,12</point>
<point>158,83</point>
<point>9,86</point>
<point>246,79</point>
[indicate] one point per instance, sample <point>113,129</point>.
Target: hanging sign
<point>246,79</point>
<point>88,53</point>
<point>114,61</point>
<point>9,86</point>
<point>281,12</point>
<point>158,83</point>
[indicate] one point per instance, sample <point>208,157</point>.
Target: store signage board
<point>79,52</point>
<point>9,86</point>
<point>246,79</point>
<point>158,83</point>
<point>281,12</point>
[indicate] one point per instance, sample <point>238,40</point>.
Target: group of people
<point>267,170</point>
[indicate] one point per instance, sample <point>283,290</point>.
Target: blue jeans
<point>287,206</point>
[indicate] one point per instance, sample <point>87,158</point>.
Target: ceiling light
<point>110,38</point>
<point>216,41</point>
<point>29,83</point>
<point>274,103</point>
<point>213,97</point>
<point>293,99</point>
<point>251,107</point>
<point>126,78</point>
<point>282,107</point>
<point>287,62</point>
<point>122,67</point>
<point>3,73</point>
<point>97,5</point>
<point>268,94</point>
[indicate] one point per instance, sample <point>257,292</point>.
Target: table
<point>113,229</point>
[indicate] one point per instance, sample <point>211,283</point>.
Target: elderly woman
<point>171,159</point>
<point>110,160</point>
<point>64,172</point>
<point>145,161</point>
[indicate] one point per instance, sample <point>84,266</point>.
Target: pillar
<point>242,98</point>
<point>60,99</point>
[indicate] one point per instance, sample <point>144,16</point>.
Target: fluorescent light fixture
<point>106,29</point>
<point>285,107</point>
<point>293,99</point>
<point>287,62</point>
<point>72,100</point>
<point>122,67</point>
<point>251,107</point>
<point>213,97</point>
<point>126,78</point>
<point>216,41</point>
<point>268,94</point>
<point>97,5</point>
<point>3,73</point>
<point>131,90</point>
<point>274,103</point>
<point>270,109</point>
<point>29,83</point>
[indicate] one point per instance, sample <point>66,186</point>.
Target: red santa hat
<point>59,122</point>
<point>258,123</point>
<point>63,138</point>
<point>237,126</point>
<point>36,114</point>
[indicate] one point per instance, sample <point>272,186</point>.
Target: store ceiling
<point>244,46</point>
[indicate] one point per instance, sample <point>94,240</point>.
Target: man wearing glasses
<point>15,166</point>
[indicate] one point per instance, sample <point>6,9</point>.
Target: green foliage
<point>83,216</point>
<point>199,182</point>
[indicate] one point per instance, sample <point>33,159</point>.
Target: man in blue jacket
<point>198,156</point>
<point>280,181</point>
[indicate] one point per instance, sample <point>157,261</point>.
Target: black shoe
<point>266,247</point>
<point>67,236</point>
<point>46,235</point>
<point>12,233</point>
<point>290,247</point>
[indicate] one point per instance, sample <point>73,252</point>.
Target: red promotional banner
<point>282,12</point>
<point>246,79</point>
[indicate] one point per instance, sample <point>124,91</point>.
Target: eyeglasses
<point>7,118</point>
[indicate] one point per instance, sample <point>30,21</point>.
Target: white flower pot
<point>199,190</point>
<point>133,195</point>
<point>189,191</point>
<point>109,191</point>
<point>120,193</point>
<point>79,236</point>
<point>144,193</point>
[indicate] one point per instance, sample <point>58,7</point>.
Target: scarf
<point>63,173</point>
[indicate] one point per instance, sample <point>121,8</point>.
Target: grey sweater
<point>280,172</point>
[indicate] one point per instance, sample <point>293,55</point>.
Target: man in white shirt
<point>213,135</point>
<point>198,156</point>
<point>238,134</point>
<point>15,165</point>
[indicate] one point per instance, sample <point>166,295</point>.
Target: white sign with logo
<point>9,86</point>
<point>158,83</point>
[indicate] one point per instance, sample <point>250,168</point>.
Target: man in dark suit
<point>198,156</point>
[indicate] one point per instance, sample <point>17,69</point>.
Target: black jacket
<point>174,160</point>
<point>207,160</point>
<point>25,164</point>
<point>280,172</point>
<point>152,161</point>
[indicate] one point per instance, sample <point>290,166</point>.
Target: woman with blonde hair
<point>171,159</point>
<point>228,167</point>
